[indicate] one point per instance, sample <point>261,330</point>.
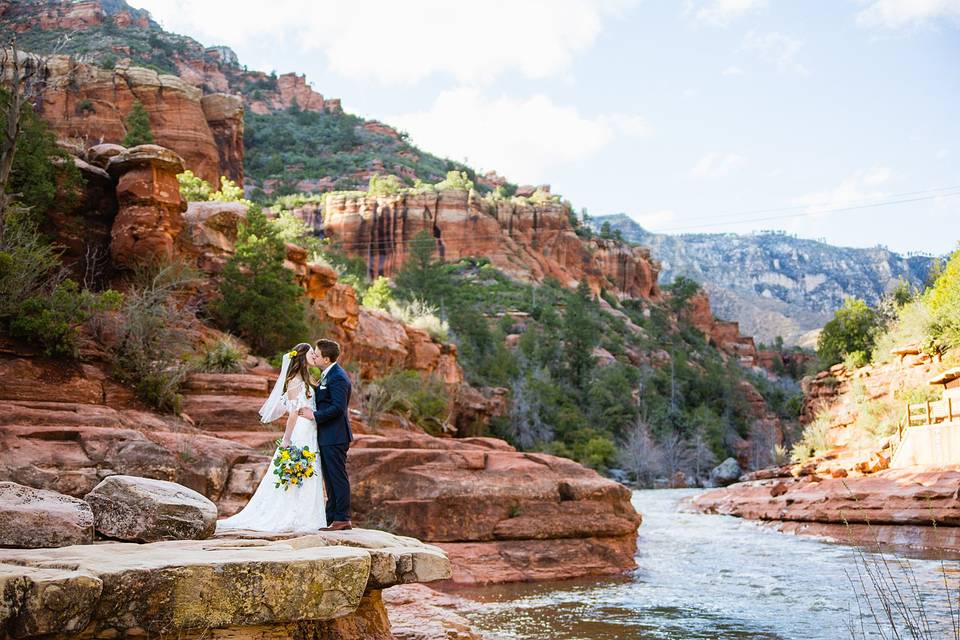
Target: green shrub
<point>853,328</point>
<point>420,315</point>
<point>193,188</point>
<point>943,300</point>
<point>42,175</point>
<point>422,401</point>
<point>28,263</point>
<point>379,294</point>
<point>137,124</point>
<point>149,338</point>
<point>455,180</point>
<point>51,320</point>
<point>383,185</point>
<point>223,355</point>
<point>814,440</point>
<point>259,300</point>
<point>856,359</point>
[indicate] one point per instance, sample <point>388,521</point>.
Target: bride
<point>299,508</point>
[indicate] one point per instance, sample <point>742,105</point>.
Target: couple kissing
<point>306,487</point>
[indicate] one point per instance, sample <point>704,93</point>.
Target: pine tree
<point>138,127</point>
<point>580,336</point>
<point>422,277</point>
<point>260,302</point>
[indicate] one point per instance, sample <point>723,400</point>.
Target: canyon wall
<point>88,105</point>
<point>527,241</point>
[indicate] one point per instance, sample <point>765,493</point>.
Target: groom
<point>333,431</point>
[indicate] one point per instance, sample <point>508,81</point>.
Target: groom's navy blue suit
<point>334,436</point>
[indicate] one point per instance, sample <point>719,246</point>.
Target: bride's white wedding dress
<point>299,508</point>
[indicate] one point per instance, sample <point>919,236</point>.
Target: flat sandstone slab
<point>892,497</point>
<point>167,587</point>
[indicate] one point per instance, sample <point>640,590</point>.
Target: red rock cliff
<point>525,240</point>
<point>88,105</point>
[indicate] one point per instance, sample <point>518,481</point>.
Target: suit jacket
<point>332,413</point>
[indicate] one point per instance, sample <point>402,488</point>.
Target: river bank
<point>702,576</point>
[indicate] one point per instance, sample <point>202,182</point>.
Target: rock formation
<point>725,335</point>
<point>36,518</point>
<point>149,207</point>
<point>248,587</point>
<point>895,496</point>
<point>501,515</point>
<point>224,114</point>
<point>85,103</point>
<point>147,510</point>
<point>529,241</point>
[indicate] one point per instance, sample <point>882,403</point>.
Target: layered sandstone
<point>499,514</point>
<point>725,335</point>
<point>527,240</point>
<point>85,103</point>
<point>247,587</point>
<point>149,217</point>
<point>917,497</point>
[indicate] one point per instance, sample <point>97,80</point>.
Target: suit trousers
<point>333,466</point>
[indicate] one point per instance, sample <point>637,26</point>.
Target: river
<point>707,576</point>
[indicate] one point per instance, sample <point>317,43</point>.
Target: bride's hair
<point>299,367</point>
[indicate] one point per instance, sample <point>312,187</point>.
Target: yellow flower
<point>293,354</point>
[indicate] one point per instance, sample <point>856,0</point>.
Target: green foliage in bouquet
<point>292,465</point>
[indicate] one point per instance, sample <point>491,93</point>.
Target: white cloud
<point>405,42</point>
<point>859,188</point>
<point>717,165</point>
<point>892,14</point>
<point>777,48</point>
<point>653,219</point>
<point>720,12</point>
<point>732,70</point>
<point>522,138</point>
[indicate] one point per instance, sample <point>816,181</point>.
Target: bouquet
<point>292,465</point>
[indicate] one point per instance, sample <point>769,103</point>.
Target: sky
<point>833,119</point>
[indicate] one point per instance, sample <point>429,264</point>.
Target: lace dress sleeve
<point>294,393</point>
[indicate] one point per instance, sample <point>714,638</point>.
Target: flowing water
<point>707,576</point>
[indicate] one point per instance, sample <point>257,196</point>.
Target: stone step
<point>227,384</point>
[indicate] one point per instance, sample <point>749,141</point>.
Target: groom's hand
<point>305,412</point>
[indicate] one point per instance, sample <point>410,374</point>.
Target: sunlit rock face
<point>244,586</point>
<point>528,241</point>
<point>89,105</point>
<point>501,515</point>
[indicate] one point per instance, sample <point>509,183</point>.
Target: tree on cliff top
<point>260,302</point>
<point>852,330</point>
<point>138,126</point>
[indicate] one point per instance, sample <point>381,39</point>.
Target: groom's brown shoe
<point>339,525</point>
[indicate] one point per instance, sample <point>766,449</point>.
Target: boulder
<point>35,518</point>
<point>725,473</point>
<point>147,510</point>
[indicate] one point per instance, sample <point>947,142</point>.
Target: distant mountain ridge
<point>774,284</point>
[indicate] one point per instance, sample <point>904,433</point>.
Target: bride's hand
<point>285,443</point>
<point>305,412</point>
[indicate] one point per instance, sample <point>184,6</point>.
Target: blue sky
<point>689,115</point>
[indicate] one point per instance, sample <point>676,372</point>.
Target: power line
<point>816,212</point>
<point>934,192</point>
